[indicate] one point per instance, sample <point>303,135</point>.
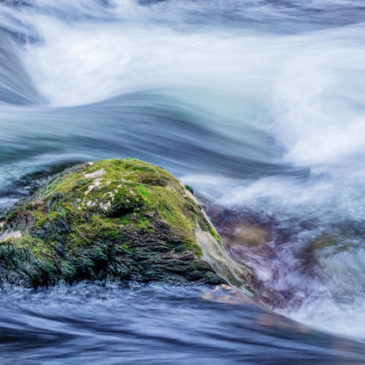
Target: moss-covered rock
<point>118,219</point>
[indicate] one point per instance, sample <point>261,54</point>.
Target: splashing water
<point>257,104</point>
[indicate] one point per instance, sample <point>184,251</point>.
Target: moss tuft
<point>189,188</point>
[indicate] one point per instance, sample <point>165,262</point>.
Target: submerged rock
<point>117,219</point>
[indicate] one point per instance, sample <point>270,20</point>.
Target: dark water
<point>259,106</point>
<point>156,325</point>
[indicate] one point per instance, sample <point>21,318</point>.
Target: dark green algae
<point>111,219</point>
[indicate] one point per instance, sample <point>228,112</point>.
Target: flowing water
<point>259,105</point>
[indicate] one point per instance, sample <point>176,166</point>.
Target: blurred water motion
<point>256,104</point>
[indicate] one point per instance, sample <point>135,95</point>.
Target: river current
<point>259,105</point>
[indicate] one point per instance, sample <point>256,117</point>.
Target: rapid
<point>259,105</point>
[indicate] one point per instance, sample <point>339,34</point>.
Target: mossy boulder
<point>111,219</point>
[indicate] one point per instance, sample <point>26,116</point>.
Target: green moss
<point>144,224</point>
<point>189,188</point>
<point>144,191</point>
<point>68,271</point>
<point>126,200</point>
<point>127,248</point>
<point>107,218</point>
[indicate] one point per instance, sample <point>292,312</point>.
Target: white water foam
<point>305,88</point>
